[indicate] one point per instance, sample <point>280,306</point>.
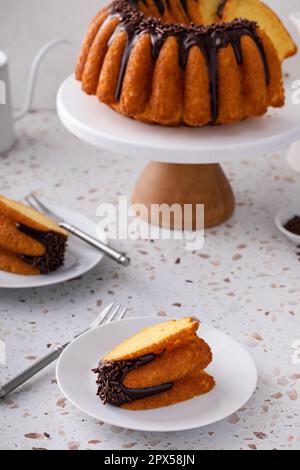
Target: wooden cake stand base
<point>168,183</point>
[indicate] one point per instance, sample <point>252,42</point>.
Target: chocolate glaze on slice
<point>55,246</point>
<point>221,8</point>
<point>111,376</point>
<point>209,39</point>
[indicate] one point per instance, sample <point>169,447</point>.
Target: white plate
<point>282,217</point>
<point>233,369</point>
<point>80,257</point>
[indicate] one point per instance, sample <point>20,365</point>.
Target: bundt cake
<point>30,243</point>
<point>160,61</point>
<point>159,366</point>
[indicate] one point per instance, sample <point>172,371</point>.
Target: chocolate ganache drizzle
<point>55,244</point>
<point>209,39</point>
<point>111,376</point>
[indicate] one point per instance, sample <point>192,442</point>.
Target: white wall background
<point>25,25</point>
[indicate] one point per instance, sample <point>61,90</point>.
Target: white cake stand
<point>185,162</point>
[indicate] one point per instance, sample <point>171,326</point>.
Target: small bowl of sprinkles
<point>288,222</point>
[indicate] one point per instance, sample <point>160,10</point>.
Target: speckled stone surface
<point>245,281</point>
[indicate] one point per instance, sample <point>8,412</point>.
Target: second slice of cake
<point>30,242</point>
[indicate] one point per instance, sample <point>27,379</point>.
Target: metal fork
<point>109,313</point>
<point>120,258</point>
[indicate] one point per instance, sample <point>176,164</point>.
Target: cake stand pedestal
<point>185,162</point>
<point>170,183</point>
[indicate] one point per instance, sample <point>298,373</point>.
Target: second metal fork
<point>120,258</point>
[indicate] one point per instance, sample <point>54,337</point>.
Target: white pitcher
<point>293,155</point>
<point>7,117</point>
<point>7,134</point>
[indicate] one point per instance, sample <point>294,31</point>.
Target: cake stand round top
<point>98,125</point>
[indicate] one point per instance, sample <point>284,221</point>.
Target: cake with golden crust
<point>159,366</point>
<point>160,61</point>
<point>30,243</point>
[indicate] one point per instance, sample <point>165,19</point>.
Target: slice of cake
<point>256,10</point>
<point>30,242</point>
<point>159,366</point>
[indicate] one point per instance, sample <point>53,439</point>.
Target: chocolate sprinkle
<point>112,374</point>
<point>209,39</point>
<point>55,244</point>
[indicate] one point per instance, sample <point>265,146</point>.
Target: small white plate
<point>233,369</point>
<point>80,257</point>
<point>282,217</point>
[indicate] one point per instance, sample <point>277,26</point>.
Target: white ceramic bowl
<point>293,156</point>
<point>282,218</point>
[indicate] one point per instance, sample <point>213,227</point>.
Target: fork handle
<point>120,258</point>
<point>31,371</point>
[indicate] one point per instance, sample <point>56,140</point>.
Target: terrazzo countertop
<point>245,281</point>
